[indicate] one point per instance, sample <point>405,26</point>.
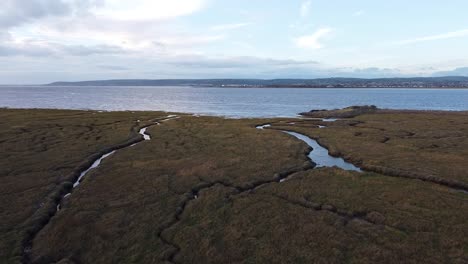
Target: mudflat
<point>212,190</point>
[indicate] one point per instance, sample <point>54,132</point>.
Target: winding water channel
<point>319,155</point>
<point>142,132</point>
<point>93,166</point>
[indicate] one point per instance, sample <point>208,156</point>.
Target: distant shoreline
<point>236,87</point>
<point>256,87</point>
<point>239,87</point>
<point>416,83</point>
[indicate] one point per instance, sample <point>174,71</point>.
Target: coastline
<point>247,87</point>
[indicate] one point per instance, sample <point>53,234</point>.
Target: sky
<point>42,41</point>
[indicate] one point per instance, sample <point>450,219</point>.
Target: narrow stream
<point>93,166</point>
<point>319,155</point>
<point>96,164</point>
<point>143,133</point>
<point>263,126</point>
<point>330,119</point>
<point>98,161</point>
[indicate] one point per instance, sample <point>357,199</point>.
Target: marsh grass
<point>122,210</point>
<point>42,152</point>
<point>429,145</point>
<point>140,206</point>
<point>326,216</point>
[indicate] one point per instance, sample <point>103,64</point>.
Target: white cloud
<point>229,26</point>
<point>313,41</point>
<point>461,71</point>
<point>17,12</point>
<point>87,27</point>
<point>199,61</point>
<point>189,40</point>
<point>306,7</point>
<point>359,13</point>
<point>71,35</point>
<point>47,49</point>
<point>448,35</point>
<point>147,9</point>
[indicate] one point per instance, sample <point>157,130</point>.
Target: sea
<point>228,102</point>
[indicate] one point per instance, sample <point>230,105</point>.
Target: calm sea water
<point>231,102</point>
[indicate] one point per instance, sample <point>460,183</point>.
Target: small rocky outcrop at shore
<point>348,112</point>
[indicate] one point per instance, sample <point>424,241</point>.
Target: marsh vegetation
<point>210,190</point>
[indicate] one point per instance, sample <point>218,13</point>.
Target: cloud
<point>16,12</point>
<point>147,9</point>
<point>89,27</point>
<point>306,7</point>
<point>4,36</point>
<point>83,50</point>
<point>448,35</point>
<point>123,38</point>
<point>41,49</point>
<point>223,27</point>
<point>135,67</point>
<point>184,40</point>
<point>359,13</point>
<point>232,62</point>
<point>313,41</point>
<point>462,71</point>
<point>373,72</point>
<point>113,67</point>
<point>25,50</point>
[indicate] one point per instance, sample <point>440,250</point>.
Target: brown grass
<point>139,206</point>
<point>125,206</point>
<point>326,216</point>
<point>427,145</point>
<point>41,152</point>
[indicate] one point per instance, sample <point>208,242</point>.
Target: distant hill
<point>419,82</point>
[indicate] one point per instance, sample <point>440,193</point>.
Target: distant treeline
<point>422,82</point>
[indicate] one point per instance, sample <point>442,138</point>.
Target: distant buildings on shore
<point>434,82</point>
